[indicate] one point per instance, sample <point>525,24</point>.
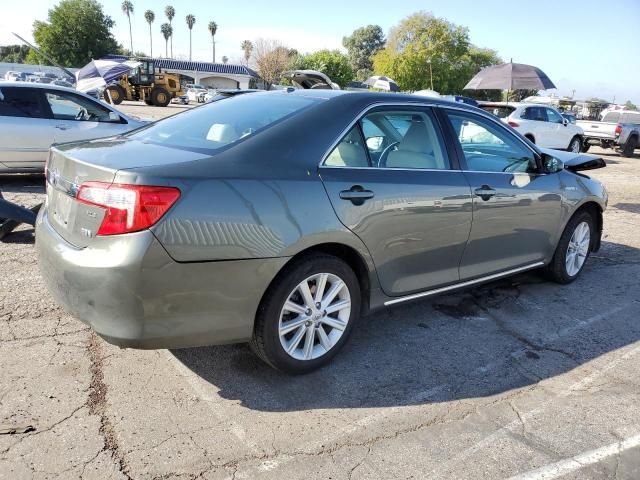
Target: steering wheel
<point>382,159</point>
<point>82,113</point>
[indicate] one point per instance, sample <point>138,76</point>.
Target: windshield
<point>219,124</point>
<point>500,111</point>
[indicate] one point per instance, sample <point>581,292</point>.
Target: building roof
<point>221,68</point>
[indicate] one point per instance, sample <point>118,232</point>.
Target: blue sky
<point>588,45</point>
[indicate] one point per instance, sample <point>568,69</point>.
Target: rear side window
<point>502,111</point>
<point>350,152</point>
<point>219,124</point>
<point>613,117</point>
<point>536,114</point>
<point>21,102</point>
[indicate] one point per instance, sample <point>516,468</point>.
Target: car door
<point>80,118</point>
<point>538,126</point>
<point>26,129</point>
<point>560,133</point>
<point>516,207</point>
<point>399,189</point>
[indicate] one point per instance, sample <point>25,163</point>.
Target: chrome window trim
<point>463,284</point>
<point>364,111</point>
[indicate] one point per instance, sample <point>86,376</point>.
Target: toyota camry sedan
<point>279,218</point>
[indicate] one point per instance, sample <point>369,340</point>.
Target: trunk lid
<point>307,79</point>
<point>70,165</point>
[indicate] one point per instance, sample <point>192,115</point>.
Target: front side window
<point>67,106</point>
<point>404,139</point>
<point>219,124</point>
<point>553,116</point>
<point>21,102</point>
<point>490,148</point>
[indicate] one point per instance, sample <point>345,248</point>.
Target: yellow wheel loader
<point>143,83</point>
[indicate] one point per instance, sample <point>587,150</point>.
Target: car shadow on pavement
<point>22,183</point>
<point>476,343</point>
<point>629,207</point>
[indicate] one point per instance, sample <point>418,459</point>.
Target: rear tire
<point>303,339</point>
<point>573,249</point>
<point>575,145</point>
<point>629,147</point>
<point>117,94</point>
<point>585,147</point>
<point>160,97</point>
<point>148,101</point>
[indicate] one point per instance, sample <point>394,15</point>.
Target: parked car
<point>221,94</point>
<point>542,125</point>
<point>617,129</point>
<point>33,116</point>
<point>255,219</point>
<point>11,76</point>
<point>193,90</point>
<point>310,79</point>
<point>182,100</point>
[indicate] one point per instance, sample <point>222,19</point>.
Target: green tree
<point>422,45</point>
<point>170,12</point>
<point>475,60</point>
<point>127,9</point>
<point>361,45</point>
<point>247,48</point>
<point>630,105</point>
<point>75,32</point>
<point>14,53</point>
<point>213,28</point>
<point>149,16</point>
<point>167,31</point>
<point>332,63</point>
<point>191,20</point>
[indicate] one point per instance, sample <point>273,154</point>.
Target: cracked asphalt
<point>518,378</point>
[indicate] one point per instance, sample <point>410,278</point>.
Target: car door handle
<point>485,192</point>
<point>356,194</point>
<point>62,126</point>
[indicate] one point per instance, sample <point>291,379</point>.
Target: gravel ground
<point>518,377</point>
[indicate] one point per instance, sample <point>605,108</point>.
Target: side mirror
<point>114,117</point>
<point>551,164</point>
<point>565,122</point>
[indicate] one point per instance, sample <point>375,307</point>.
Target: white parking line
<point>568,465</point>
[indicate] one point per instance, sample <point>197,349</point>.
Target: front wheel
<point>575,145</point>
<point>573,249</point>
<point>307,314</point>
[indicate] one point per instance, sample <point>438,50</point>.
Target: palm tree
<point>149,16</point>
<point>167,32</point>
<point>127,9</point>
<point>213,28</point>
<point>170,12</point>
<point>247,48</point>
<point>191,20</point>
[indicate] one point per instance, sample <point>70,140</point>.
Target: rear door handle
<point>485,192</point>
<point>356,194</point>
<point>62,126</point>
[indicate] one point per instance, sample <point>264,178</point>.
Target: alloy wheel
<point>314,316</point>
<point>575,146</point>
<point>578,249</point>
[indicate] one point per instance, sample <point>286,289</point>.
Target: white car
<point>193,90</point>
<point>12,76</point>
<point>33,116</point>
<point>543,125</point>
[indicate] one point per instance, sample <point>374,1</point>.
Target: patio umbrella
<point>510,76</point>
<point>382,83</point>
<point>98,73</point>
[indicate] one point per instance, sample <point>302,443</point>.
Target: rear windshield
<point>500,111</point>
<point>220,124</point>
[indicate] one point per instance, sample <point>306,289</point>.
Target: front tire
<point>573,249</point>
<point>160,97</point>
<point>575,145</point>
<point>117,94</point>
<point>307,314</point>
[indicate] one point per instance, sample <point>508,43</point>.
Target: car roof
<point>48,86</point>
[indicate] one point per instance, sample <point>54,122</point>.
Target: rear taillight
<point>618,129</point>
<point>513,124</point>
<point>129,208</point>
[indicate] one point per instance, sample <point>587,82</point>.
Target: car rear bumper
<point>134,295</point>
